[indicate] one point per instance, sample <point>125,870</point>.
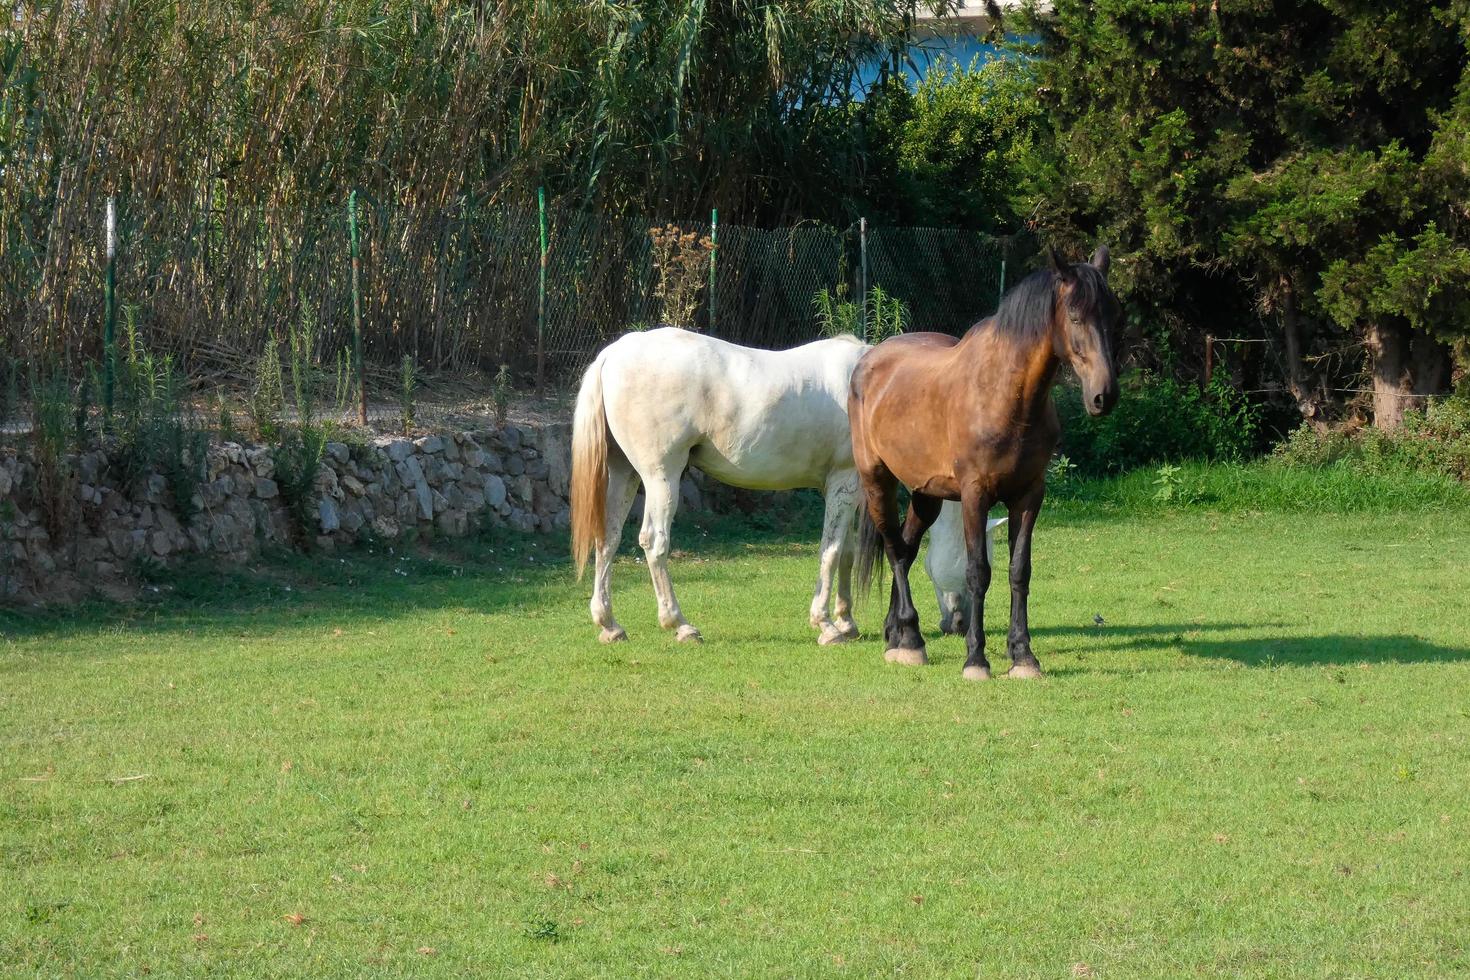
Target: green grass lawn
<point>1260,766</point>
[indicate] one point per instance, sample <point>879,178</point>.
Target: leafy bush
<point>955,149</point>
<point>1157,420</point>
<point>1435,442</point>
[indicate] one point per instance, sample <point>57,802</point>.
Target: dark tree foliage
<point>951,151</point>
<point>1293,170</point>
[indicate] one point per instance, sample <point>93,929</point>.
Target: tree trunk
<point>1308,402</point>
<point>1431,366</point>
<point>1393,388</point>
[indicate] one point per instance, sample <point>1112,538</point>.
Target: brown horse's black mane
<point>1026,311</point>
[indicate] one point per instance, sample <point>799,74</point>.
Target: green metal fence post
<point>362,415</point>
<point>109,321</point>
<point>714,248</point>
<point>541,300</point>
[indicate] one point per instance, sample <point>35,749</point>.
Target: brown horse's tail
<point>589,468</point>
<point>869,561</point>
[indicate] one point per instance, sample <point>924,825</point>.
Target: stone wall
<point>449,483</point>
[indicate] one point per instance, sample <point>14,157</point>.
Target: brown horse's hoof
<point>976,673</point>
<point>1024,672</point>
<point>906,656</point>
<point>613,634</point>
<point>688,634</point>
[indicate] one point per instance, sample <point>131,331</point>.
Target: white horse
<point>944,561</point>
<point>655,402</point>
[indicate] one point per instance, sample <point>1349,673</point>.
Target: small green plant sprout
<point>1167,483</point>
<point>1170,487</point>
<point>501,393</point>
<point>267,395</point>
<point>1061,471</point>
<point>888,316</point>
<point>225,421</point>
<point>344,386</point>
<point>304,381</point>
<point>407,387</point>
<point>51,431</point>
<point>836,315</point>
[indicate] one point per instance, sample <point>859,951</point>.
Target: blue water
<point>962,50</point>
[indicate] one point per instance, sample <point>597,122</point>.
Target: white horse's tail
<point>589,468</point>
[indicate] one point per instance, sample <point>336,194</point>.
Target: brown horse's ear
<point>1100,259</point>
<point>1057,265</point>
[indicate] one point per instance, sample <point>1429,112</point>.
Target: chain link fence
<point>459,290</point>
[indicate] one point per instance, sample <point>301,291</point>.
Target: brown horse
<point>973,420</point>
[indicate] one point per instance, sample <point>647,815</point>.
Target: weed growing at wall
<point>152,423</point>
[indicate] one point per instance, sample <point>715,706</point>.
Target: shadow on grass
<point>483,573</point>
<point>1204,640</point>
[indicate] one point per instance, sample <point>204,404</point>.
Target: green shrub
<point>298,460</point>
<point>887,316</point>
<point>1262,485</point>
<point>835,315</point>
<point>1434,442</point>
<point>268,394</point>
<point>152,424</point>
<point>1157,420</point>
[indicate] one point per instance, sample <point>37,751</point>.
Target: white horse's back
<point>758,419</point>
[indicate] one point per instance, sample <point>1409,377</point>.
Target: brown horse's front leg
<point>904,641</point>
<point>974,507</point>
<point>1018,643</point>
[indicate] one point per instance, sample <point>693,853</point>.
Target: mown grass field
<point>1260,766</point>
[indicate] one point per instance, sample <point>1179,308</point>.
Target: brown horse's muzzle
<point>1101,399</point>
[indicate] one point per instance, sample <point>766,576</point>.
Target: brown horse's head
<point>1085,315</point>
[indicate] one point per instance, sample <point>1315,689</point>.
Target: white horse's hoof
<point>1024,672</point>
<point>976,673</point>
<point>688,634</point>
<point>612,634</point>
<point>848,630</point>
<point>831,634</point>
<point>906,656</point>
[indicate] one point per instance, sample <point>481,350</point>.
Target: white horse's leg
<point>840,496</point>
<point>842,607</point>
<point>660,500</point>
<point>622,483</point>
